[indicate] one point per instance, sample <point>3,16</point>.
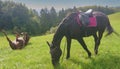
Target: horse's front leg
<point>96,43</point>
<point>81,41</point>
<point>68,47</point>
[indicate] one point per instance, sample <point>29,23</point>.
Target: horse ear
<point>48,43</point>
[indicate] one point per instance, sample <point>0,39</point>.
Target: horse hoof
<point>67,57</point>
<point>96,52</point>
<point>89,55</point>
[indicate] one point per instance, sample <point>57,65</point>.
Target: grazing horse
<point>70,28</point>
<point>19,42</point>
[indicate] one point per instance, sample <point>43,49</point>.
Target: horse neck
<point>57,38</point>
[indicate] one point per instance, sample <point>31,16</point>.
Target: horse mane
<point>68,15</point>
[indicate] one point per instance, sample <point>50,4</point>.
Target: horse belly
<point>83,32</point>
<point>20,38</point>
<point>15,42</point>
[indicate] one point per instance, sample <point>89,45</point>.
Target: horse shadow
<point>106,61</point>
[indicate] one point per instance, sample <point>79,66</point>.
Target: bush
<point>52,30</point>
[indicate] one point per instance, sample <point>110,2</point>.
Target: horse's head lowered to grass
<point>55,53</point>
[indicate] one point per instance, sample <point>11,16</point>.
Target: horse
<point>70,28</point>
<point>19,42</point>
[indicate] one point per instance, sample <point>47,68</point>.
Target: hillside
<point>115,16</point>
<point>36,55</point>
<point>115,21</point>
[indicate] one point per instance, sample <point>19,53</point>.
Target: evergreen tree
<point>44,20</point>
<point>53,17</point>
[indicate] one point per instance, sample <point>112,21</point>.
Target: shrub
<point>52,30</point>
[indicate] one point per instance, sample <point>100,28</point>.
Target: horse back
<point>73,29</point>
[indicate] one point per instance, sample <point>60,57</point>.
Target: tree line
<point>17,17</point>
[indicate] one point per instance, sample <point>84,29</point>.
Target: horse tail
<point>110,29</point>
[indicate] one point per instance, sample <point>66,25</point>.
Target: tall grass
<point>36,54</point>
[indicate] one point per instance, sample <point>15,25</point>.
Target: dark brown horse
<point>20,41</point>
<point>71,30</point>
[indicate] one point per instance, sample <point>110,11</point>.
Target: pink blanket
<point>92,22</point>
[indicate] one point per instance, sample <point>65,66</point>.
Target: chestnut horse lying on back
<point>19,42</point>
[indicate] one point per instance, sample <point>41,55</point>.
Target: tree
<point>44,20</point>
<point>61,14</point>
<point>53,17</point>
<point>17,17</point>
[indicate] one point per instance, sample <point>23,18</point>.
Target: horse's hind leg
<point>96,41</point>
<point>81,41</point>
<point>100,34</point>
<point>68,47</point>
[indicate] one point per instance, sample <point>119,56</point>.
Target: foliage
<point>52,30</point>
<point>17,17</point>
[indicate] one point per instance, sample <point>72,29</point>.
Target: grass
<point>36,54</point>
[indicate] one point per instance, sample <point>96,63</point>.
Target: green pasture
<point>36,54</point>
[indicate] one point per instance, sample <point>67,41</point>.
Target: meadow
<point>36,54</point>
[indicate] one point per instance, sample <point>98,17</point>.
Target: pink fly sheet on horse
<point>93,22</point>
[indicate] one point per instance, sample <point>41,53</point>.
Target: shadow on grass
<point>107,61</point>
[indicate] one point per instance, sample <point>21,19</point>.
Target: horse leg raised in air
<point>72,29</point>
<point>18,43</point>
